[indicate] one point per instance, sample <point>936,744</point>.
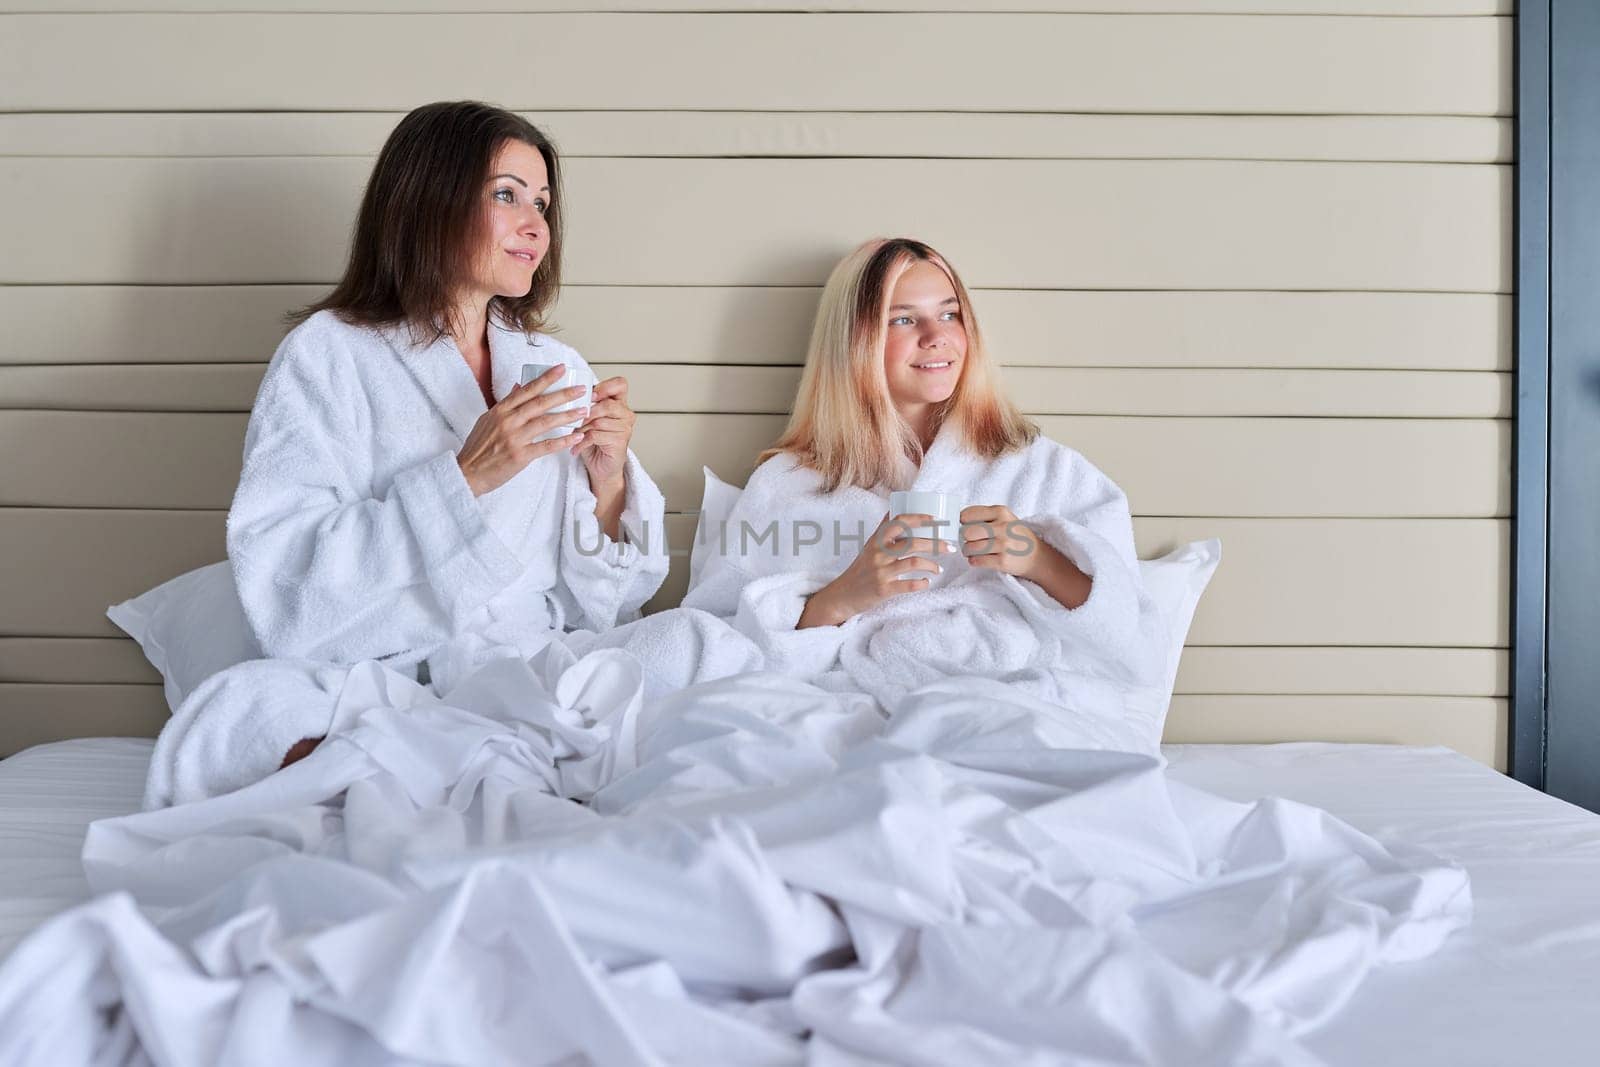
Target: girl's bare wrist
<point>820,610</point>
<point>1039,563</point>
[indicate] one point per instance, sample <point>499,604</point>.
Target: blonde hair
<point>844,426</point>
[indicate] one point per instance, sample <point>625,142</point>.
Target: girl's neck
<point>920,418</point>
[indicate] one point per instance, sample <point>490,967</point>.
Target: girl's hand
<point>605,436</point>
<point>502,441</point>
<point>875,574</point>
<point>995,539</point>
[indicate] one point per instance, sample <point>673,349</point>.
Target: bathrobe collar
<point>443,374</point>
<point>946,462</point>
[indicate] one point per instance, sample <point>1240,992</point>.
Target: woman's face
<point>925,341</point>
<point>516,237</point>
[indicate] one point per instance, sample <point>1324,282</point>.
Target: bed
<point>1514,987</point>
<point>1275,306</point>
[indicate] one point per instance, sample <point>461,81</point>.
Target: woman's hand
<point>994,539</point>
<point>502,442</point>
<point>875,575</point>
<point>606,434</point>
<point>604,452</point>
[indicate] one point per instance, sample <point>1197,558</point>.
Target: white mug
<point>531,373</point>
<point>943,509</point>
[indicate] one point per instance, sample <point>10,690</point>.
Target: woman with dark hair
<point>408,494</point>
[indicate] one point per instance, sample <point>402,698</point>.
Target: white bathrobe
<point>971,621</point>
<point>353,534</point>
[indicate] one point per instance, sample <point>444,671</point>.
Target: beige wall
<point>1256,266</point>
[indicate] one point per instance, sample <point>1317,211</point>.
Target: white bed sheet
<point>1517,986</point>
<point>49,795</point>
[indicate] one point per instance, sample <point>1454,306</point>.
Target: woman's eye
<point>900,320</point>
<point>951,316</point>
<point>506,196</point>
<point>541,205</point>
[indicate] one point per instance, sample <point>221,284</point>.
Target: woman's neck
<point>469,327</point>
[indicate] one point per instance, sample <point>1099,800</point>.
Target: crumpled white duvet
<point>755,871</point>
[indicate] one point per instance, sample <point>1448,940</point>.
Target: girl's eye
<point>952,316</point>
<point>900,320</point>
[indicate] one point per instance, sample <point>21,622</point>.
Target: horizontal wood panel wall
<point>1263,7</point>
<point>1253,259</point>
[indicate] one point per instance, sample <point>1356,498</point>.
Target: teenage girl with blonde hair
<point>899,392</point>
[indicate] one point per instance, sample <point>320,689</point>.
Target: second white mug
<point>531,373</point>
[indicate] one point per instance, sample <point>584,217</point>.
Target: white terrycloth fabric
<point>785,539</point>
<point>238,726</point>
<point>764,873</point>
<point>353,534</point>
<point>675,649</point>
<point>978,627</point>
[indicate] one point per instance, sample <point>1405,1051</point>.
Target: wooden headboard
<point>1254,266</point>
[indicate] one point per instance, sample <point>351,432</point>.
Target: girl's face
<point>925,341</point>
<point>516,196</point>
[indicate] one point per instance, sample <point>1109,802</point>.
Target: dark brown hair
<point>421,219</point>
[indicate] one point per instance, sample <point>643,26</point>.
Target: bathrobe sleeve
<point>741,584</point>
<point>326,570</point>
<point>603,582</point>
<point>1085,516</point>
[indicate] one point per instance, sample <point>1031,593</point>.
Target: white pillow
<point>190,628</point>
<point>1174,581</point>
<point>716,504</point>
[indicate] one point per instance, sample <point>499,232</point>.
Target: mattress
<point>1515,987</point>
<point>48,797</point>
<point>1518,985</point>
